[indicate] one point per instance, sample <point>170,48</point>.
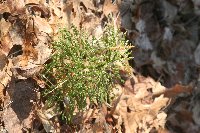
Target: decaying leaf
<point>139,111</point>
<point>5,73</point>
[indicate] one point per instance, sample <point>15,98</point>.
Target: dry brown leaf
<point>147,86</point>
<point>43,48</point>
<point>68,13</point>
<point>29,64</point>
<point>160,103</point>
<point>16,6</point>
<point>6,40</point>
<point>5,73</point>
<point>175,90</point>
<point>161,119</point>
<point>5,27</point>
<point>28,53</point>
<point>3,60</point>
<point>42,25</point>
<point>38,9</point>
<point>6,44</point>
<point>73,14</point>
<point>109,7</point>
<point>117,90</point>
<point>4,8</point>
<point>87,5</point>
<point>87,115</point>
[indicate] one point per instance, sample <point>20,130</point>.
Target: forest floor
<point>161,95</point>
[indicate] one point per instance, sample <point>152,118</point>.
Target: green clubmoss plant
<point>83,67</point>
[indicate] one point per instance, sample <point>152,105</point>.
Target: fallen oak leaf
<point>175,90</point>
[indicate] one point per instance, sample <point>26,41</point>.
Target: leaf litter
<point>160,95</point>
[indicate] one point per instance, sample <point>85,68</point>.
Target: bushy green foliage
<point>83,67</point>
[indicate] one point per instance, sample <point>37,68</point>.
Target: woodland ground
<point>161,95</point>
